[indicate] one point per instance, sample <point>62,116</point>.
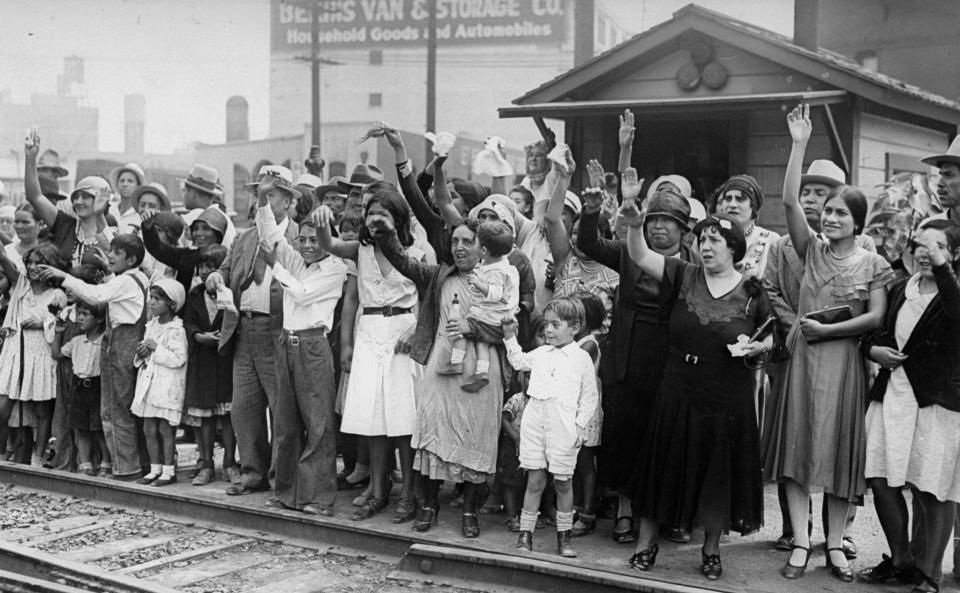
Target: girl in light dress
<point>28,371</point>
<point>162,381</point>
<point>586,474</point>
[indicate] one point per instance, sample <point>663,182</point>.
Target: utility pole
<point>315,73</point>
<point>431,75</point>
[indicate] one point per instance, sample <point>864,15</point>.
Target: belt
<point>253,314</point>
<point>696,358</point>
<point>386,311</point>
<point>293,335</point>
<point>86,382</point>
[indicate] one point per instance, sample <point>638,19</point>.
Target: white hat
<point>952,155</point>
<point>311,181</point>
<point>282,178</point>
<point>825,172</point>
<point>174,291</point>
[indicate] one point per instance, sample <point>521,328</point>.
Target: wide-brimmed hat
<point>679,181</point>
<point>825,172</point>
<point>309,180</point>
<point>134,168</point>
<point>572,201</point>
<point>334,185</point>
<point>282,179</point>
<point>361,176</point>
<point>951,156</point>
<point>151,188</point>
<point>94,185</point>
<point>202,178</point>
<point>174,291</point>
<point>50,159</point>
<point>50,188</point>
<point>670,205</point>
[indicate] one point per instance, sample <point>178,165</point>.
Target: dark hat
<point>746,184</point>
<point>203,178</point>
<point>214,218</point>
<point>169,222</point>
<point>334,185</point>
<point>50,159</point>
<point>728,229</point>
<point>361,176</point>
<point>151,188</point>
<point>670,205</point>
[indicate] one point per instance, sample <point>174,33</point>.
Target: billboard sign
<point>345,24</point>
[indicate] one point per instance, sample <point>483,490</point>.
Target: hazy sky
<point>188,56</point>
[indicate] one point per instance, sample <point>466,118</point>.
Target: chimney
<point>238,127</point>
<point>806,15</point>
<point>583,23</point>
<point>72,75</point>
<point>134,109</point>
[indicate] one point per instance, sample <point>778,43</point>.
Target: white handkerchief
<point>225,299</point>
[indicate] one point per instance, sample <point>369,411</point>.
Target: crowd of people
<point>543,350</point>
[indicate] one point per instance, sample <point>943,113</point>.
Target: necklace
<point>835,256</point>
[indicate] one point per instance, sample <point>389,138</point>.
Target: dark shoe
<point>512,524</point>
<point>525,541</point>
<point>841,573</point>
<point>475,382</point>
<point>241,489</point>
<point>924,584</point>
<point>676,534</point>
<point>406,511</point>
<point>196,469</point>
<point>584,525</point>
<point>849,548</point>
<point>204,477</point>
<point>275,503</point>
<point>792,571</point>
<point>373,507</point>
<point>318,509</point>
<point>564,547</point>
<point>624,537</point>
<point>426,518</point>
<point>164,481</point>
<point>711,566</point>
<point>470,527</point>
<point>147,479</point>
<point>784,543</point>
<point>645,559</point>
<point>886,572</point>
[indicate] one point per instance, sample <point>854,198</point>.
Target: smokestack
<point>238,127</point>
<point>134,109</point>
<point>805,16</point>
<point>583,31</point>
<point>72,74</point>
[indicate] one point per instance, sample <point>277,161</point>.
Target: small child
<point>350,225</point>
<point>563,397</point>
<point>586,474</point>
<point>83,406</point>
<point>162,381</point>
<point>495,293</point>
<point>209,374</point>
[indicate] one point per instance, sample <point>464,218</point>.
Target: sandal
<point>512,523</point>
<point>584,525</point>
<point>624,537</point>
<point>406,511</point>
<point>711,566</point>
<point>426,518</point>
<point>645,559</point>
<point>373,507</point>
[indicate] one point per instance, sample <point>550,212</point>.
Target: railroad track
<point>110,537</point>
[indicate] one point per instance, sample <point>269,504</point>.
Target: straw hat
<point>202,178</point>
<point>151,188</point>
<point>952,155</point>
<point>134,168</point>
<point>282,179</point>
<point>50,159</point>
<point>825,172</point>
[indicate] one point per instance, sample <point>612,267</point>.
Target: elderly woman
<point>913,422</point>
<point>741,198</point>
<point>637,352</point>
<point>816,437</point>
<point>455,435</point>
<point>700,459</point>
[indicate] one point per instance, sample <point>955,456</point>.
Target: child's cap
<point>173,290</point>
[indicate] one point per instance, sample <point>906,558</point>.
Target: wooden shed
<point>711,94</point>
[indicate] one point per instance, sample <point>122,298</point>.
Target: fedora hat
<point>202,178</point>
<point>282,179</point>
<point>50,188</point>
<point>825,172</point>
<point>334,185</point>
<point>952,155</point>
<point>311,181</point>
<point>151,188</point>
<point>50,159</point>
<point>361,176</point>
<point>134,168</point>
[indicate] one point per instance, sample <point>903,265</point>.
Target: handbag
<point>829,316</point>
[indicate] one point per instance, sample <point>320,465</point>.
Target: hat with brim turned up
<point>282,179</point>
<point>151,188</point>
<point>951,156</point>
<point>362,175</point>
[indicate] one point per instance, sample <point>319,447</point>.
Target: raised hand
<point>630,185</point>
<point>929,244</point>
<point>595,172</point>
<point>509,325</point>
<point>31,144</point>
<point>798,121</point>
<point>323,217</point>
<point>592,199</point>
<point>627,129</point>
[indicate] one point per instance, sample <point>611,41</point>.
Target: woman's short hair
<point>48,254</point>
<point>594,313</point>
<point>855,202</point>
<point>213,255</point>
<point>568,309</point>
<point>387,195</point>
<point>526,193</point>
<point>728,229</point>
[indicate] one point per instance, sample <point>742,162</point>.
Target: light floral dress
<point>162,381</point>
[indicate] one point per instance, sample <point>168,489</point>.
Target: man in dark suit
<point>258,320</point>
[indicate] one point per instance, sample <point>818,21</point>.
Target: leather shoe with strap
<point>792,571</point>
